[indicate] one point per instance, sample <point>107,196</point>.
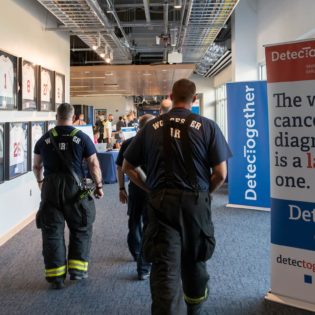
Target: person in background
<point>121,123</point>
<point>96,134</point>
<point>62,198</point>
<point>129,120</point>
<point>100,126</point>
<point>108,129</point>
<point>166,106</point>
<point>185,158</point>
<point>79,121</point>
<point>137,211</point>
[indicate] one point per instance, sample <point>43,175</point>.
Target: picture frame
<point>50,124</point>
<point>28,82</point>
<point>2,152</point>
<point>37,130</point>
<point>60,95</point>
<point>46,91</point>
<point>17,152</point>
<point>8,81</point>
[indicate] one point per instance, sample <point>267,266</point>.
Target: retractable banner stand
<point>249,184</point>
<point>291,99</point>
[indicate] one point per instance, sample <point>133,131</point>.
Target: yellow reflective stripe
<point>74,132</point>
<point>54,132</point>
<point>55,272</point>
<point>78,268</point>
<point>196,300</point>
<point>78,264</point>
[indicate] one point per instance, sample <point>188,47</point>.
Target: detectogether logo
<point>303,53</point>
<point>298,263</point>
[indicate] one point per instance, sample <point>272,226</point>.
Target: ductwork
<point>204,20</point>
<point>80,14</point>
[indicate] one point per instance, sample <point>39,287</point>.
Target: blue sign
<point>247,107</point>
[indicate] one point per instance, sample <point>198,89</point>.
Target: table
<point>108,166</point>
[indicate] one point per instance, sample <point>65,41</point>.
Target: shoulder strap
<point>189,162</point>
<point>52,134</point>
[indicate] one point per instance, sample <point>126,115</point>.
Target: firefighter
<point>58,157</point>
<point>185,158</point>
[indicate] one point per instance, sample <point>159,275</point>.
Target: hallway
<point>239,269</point>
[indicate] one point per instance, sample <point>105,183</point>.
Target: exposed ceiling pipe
<point>94,6</point>
<point>183,27</point>
<point>114,13</point>
<point>147,11</point>
<point>165,30</point>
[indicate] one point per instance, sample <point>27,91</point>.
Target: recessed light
<point>147,73</point>
<point>108,73</point>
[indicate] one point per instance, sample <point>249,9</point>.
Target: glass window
<point>262,71</point>
<point>221,108</point>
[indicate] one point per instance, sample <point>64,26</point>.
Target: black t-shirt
<point>119,162</point>
<point>75,148</point>
<point>209,148</point>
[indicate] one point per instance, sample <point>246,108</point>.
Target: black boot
<point>194,309</point>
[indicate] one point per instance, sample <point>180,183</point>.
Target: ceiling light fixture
<point>178,4</point>
<point>94,47</point>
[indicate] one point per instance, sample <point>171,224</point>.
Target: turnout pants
<point>60,203</point>
<point>137,212</point>
<point>178,240</point>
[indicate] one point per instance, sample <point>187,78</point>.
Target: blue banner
<point>248,137</point>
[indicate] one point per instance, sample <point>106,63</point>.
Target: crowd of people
<point>106,131</point>
<point>175,162</point>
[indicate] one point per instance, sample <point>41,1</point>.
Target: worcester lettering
<point>175,132</point>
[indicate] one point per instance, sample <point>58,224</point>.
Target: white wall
<point>205,86</point>
<point>115,104</point>
<point>283,20</point>
<point>22,34</point>
<point>244,38</point>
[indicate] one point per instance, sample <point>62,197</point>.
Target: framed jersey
<point>2,153</point>
<point>37,129</point>
<point>46,90</point>
<point>59,89</point>
<point>50,124</point>
<point>16,142</point>
<point>28,85</point>
<point>8,81</point>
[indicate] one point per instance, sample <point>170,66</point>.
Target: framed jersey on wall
<point>8,81</point>
<point>46,90</point>
<point>59,89</point>
<point>2,147</point>
<point>17,144</point>
<point>50,124</point>
<point>28,73</point>
<point>37,130</point>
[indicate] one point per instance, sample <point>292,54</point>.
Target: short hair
<point>144,119</point>
<point>184,91</point>
<point>120,117</point>
<point>65,111</point>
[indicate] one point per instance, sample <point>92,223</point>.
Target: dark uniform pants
<point>137,212</point>
<point>179,239</point>
<point>60,203</point>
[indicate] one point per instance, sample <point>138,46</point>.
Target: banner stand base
<point>289,301</point>
<point>230,205</point>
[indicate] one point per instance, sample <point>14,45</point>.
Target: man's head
<point>183,93</point>
<point>81,117</point>
<point>166,106</point>
<point>110,117</point>
<point>65,114</point>
<point>144,119</point>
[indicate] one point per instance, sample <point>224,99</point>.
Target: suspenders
<point>186,146</point>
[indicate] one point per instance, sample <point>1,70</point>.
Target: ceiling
<point>144,31</point>
<point>126,79</point>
